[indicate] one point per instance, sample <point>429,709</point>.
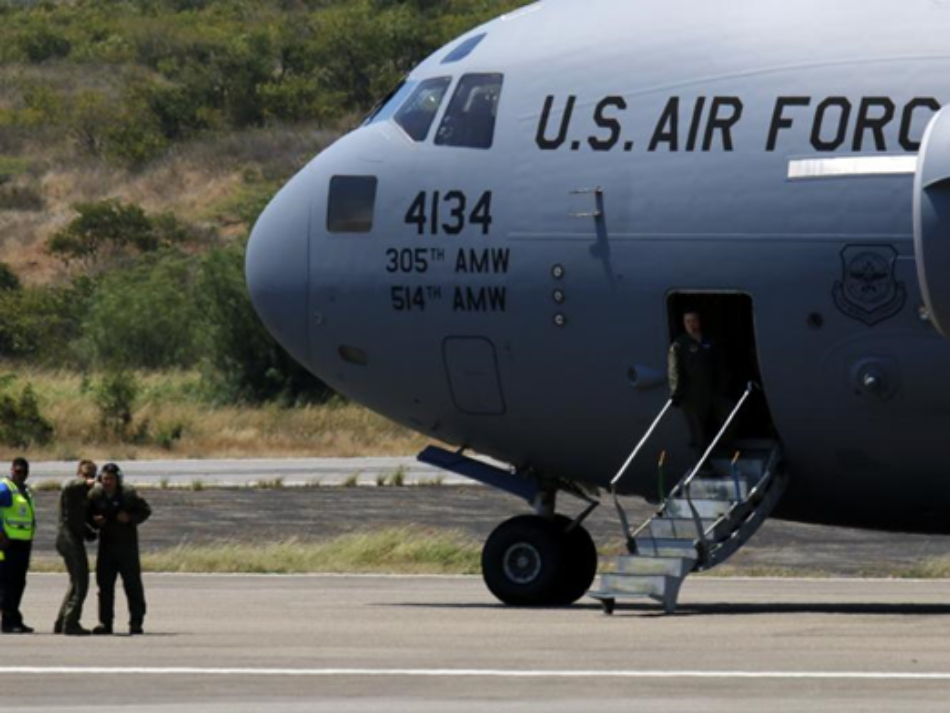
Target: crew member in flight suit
<point>117,511</point>
<point>16,545</point>
<point>697,382</point>
<point>74,531</point>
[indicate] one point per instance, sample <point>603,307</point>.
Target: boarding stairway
<point>704,520</point>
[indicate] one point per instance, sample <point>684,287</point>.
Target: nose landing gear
<point>530,560</point>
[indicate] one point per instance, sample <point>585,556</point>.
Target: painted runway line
<point>467,673</point>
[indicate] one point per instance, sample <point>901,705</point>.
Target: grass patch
<point>271,484</point>
<point>177,420</point>
<point>938,568</point>
<point>402,550</point>
<point>763,572</point>
<point>410,550</point>
<point>11,166</point>
<point>24,198</point>
<point>396,479</point>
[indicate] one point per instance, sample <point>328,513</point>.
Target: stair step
<point>706,509</point>
<point>665,547</point>
<point>751,468</point>
<point>647,585</point>
<point>719,489</point>
<point>678,528</point>
<point>646,565</point>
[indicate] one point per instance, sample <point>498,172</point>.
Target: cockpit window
<point>387,107</point>
<point>351,204</point>
<point>417,114</point>
<point>469,121</point>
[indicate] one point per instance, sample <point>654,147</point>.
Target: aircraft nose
<point>277,266</point>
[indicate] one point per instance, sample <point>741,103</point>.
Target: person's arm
<point>6,500</point>
<point>675,373</point>
<point>96,518</point>
<point>137,508</point>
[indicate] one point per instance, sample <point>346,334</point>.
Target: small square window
<point>351,204</point>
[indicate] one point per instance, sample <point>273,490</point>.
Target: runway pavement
<point>292,471</point>
<point>341,644</point>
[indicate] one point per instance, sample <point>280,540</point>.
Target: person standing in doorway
<point>74,532</point>
<point>16,545</point>
<point>697,382</point>
<point>117,511</point>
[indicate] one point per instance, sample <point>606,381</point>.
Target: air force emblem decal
<point>868,290</point>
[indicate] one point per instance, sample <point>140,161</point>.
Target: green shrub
<point>109,229</point>
<point>9,281</point>
<point>91,117</point>
<point>166,435</point>
<point>245,363</point>
<point>23,198</point>
<point>41,323</point>
<point>114,395</point>
<point>144,316</point>
<point>21,422</point>
<point>40,42</point>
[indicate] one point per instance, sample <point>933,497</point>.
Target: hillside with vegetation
<point>139,140</point>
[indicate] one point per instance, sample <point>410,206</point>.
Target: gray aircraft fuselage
<point>515,299</point>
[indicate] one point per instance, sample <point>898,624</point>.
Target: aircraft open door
<point>932,221</point>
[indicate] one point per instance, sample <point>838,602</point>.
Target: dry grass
<point>938,568</point>
<point>402,550</point>
<point>200,182</point>
<point>405,550</point>
<point>170,402</point>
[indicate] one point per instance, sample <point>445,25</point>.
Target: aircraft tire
<point>522,561</point>
<point>579,564</point>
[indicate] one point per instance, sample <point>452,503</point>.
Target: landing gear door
<point>932,221</point>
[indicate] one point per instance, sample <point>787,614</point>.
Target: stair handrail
<point>684,484</point>
<point>621,513</point>
<point>640,445</point>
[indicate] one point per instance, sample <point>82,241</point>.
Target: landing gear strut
<point>543,559</point>
<point>534,561</point>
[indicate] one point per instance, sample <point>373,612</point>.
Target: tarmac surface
<point>256,515</point>
<point>357,644</point>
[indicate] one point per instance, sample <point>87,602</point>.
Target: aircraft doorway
<point>728,321</point>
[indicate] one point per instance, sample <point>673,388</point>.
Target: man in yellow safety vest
<point>16,544</point>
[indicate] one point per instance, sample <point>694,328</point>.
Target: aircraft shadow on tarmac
<point>725,609</point>
<point>773,608</point>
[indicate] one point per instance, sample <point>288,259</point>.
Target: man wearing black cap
<point>117,511</point>
<point>16,545</point>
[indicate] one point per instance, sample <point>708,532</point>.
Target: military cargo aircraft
<point>500,256</point>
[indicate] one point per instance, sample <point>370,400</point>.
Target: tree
<point>245,361</point>
<point>113,228</point>
<point>9,281</point>
<point>143,316</point>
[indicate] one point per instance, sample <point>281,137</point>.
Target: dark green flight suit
<point>697,385</point>
<point>71,538</point>
<point>119,551</point>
